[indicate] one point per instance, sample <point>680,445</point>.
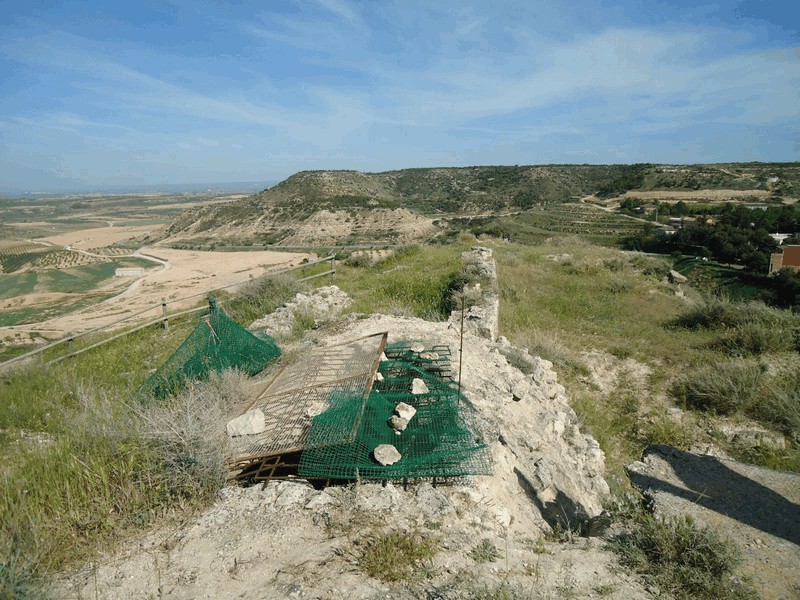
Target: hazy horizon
<point>100,95</point>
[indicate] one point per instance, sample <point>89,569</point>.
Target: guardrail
<point>164,318</point>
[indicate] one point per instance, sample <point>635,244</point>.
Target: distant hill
<point>350,207</point>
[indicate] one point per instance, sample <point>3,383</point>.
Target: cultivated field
<point>59,257</point>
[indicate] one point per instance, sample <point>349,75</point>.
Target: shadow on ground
<point>751,495</point>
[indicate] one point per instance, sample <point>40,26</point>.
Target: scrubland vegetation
<point>82,463</point>
<point>82,466</point>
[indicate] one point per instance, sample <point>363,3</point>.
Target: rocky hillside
<point>350,207</point>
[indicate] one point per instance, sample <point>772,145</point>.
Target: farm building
<point>129,272</point>
<point>787,258</point>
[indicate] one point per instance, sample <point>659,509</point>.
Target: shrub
<point>682,558</point>
<point>186,433</point>
<point>360,260</point>
<point>261,297</point>
<point>722,313</point>
<point>753,339</point>
<point>721,387</point>
<point>780,404</point>
<point>393,556</point>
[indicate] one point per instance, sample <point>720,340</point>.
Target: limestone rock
<point>386,454</point>
<point>405,411</point>
<point>320,305</point>
<point>675,277</point>
<point>398,424</point>
<point>418,387</point>
<point>482,318</point>
<point>249,423</point>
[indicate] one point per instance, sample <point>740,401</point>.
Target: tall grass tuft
<point>780,404</point>
<point>754,339</point>
<point>718,313</point>
<point>261,297</point>
<point>721,387</point>
<point>684,559</point>
<point>110,467</point>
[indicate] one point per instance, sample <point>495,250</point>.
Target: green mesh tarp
<point>438,442</point>
<point>217,343</point>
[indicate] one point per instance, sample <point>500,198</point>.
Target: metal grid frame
<point>298,392</point>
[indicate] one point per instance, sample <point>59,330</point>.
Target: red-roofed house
<point>787,258</point>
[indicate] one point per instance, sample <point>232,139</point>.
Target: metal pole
<point>461,349</point>
<point>164,312</point>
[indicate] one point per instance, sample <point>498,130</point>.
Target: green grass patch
<point>396,556</point>
<point>104,464</point>
<point>684,559</point>
<point>562,298</point>
<point>412,281</point>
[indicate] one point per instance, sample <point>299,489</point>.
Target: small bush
<point>186,433</point>
<point>393,556</point>
<point>753,339</point>
<point>779,406</point>
<point>360,260</point>
<point>261,297</point>
<point>722,387</point>
<point>716,313</point>
<point>682,558</point>
<point>486,551</point>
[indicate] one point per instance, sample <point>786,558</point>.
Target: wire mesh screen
<point>217,343</point>
<point>437,442</point>
<point>306,388</point>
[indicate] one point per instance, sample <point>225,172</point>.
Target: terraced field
<point>38,295</point>
<point>15,255</point>
<point>582,220</point>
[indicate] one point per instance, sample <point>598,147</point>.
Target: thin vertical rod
<point>461,350</point>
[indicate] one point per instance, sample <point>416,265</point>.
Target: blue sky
<point>96,94</point>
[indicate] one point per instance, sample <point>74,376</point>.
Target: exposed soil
<point>757,508</point>
<point>287,539</point>
<point>184,273</point>
<point>86,239</point>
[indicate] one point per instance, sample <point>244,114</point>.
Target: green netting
<point>217,343</point>
<point>438,441</point>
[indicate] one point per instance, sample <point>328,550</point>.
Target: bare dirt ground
<point>183,273</point>
<point>289,540</point>
<point>98,237</point>
<point>757,508</point>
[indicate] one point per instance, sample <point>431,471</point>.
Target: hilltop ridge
<point>348,207</point>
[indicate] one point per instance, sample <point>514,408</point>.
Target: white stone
<point>386,454</point>
<point>418,386</point>
<point>378,376</point>
<point>676,277</point>
<point>405,411</point>
<point>249,423</point>
<point>398,423</point>
<point>418,348</point>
